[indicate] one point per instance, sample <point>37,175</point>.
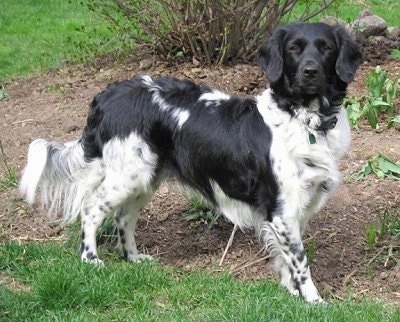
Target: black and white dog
<point>268,162</point>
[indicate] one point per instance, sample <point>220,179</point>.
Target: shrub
<point>209,31</point>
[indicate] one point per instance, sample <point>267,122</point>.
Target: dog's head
<point>307,60</point>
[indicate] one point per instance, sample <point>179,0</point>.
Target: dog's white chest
<point>304,161</point>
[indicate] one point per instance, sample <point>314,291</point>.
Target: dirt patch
<point>54,106</point>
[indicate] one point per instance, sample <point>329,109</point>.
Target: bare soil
<point>54,106</point>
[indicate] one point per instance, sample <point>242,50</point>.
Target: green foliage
<point>10,176</point>
<point>3,95</point>
<point>372,233</point>
<point>389,226</point>
<point>382,92</point>
<point>395,53</point>
<point>311,248</point>
<point>382,166</point>
<point>201,211</point>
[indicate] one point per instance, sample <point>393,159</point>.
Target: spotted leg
<point>290,260</point>
<point>126,217</point>
<point>128,168</point>
<point>97,207</point>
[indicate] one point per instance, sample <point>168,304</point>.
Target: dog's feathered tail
<point>61,174</point>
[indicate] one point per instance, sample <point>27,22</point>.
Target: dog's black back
<point>208,146</point>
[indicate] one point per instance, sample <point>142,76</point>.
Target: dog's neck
<point>326,104</point>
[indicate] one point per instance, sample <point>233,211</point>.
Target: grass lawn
<point>47,282</point>
<point>40,35</point>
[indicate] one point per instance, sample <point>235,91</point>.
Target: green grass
<point>47,282</point>
<point>8,174</point>
<point>349,10</point>
<point>40,35</point>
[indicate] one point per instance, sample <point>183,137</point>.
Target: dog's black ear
<point>270,55</point>
<point>349,57</point>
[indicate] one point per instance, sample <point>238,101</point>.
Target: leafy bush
<point>217,31</point>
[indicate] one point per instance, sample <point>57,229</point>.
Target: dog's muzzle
<point>311,78</point>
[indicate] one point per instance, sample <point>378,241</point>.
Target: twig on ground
<point>29,238</point>
<point>376,255</point>
<point>390,254</point>
<point>229,244</point>
<point>237,269</point>
<point>23,121</point>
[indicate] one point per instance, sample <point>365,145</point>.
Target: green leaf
<point>378,103</point>
<point>366,170</point>
<point>387,165</point>
<point>372,117</point>
<point>392,121</point>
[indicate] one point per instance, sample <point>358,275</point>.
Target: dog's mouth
<point>310,89</point>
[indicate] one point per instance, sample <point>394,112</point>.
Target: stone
<point>146,63</point>
<point>372,25</point>
<point>393,32</point>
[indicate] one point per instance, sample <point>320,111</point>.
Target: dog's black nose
<point>310,72</point>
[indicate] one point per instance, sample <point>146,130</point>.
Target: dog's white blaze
<point>236,211</point>
<point>181,116</point>
<point>215,95</point>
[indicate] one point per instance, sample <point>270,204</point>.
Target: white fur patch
<point>236,211</point>
<point>129,156</point>
<point>181,116</point>
<point>37,159</point>
<point>213,96</point>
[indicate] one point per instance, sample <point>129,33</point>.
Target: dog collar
<point>327,124</point>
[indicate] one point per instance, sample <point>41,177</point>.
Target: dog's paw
<point>139,258</point>
<point>93,261</point>
<point>319,301</point>
<point>294,292</point>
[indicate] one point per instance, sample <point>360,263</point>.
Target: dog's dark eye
<point>326,47</point>
<point>294,49</point>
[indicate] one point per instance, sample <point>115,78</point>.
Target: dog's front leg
<point>283,240</point>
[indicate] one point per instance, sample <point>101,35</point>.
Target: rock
<point>393,32</point>
<point>333,21</point>
<point>365,13</point>
<point>146,63</point>
<point>371,25</point>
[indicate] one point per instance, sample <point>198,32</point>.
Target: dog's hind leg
<point>290,260</point>
<point>126,217</point>
<point>105,199</point>
<point>128,168</point>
